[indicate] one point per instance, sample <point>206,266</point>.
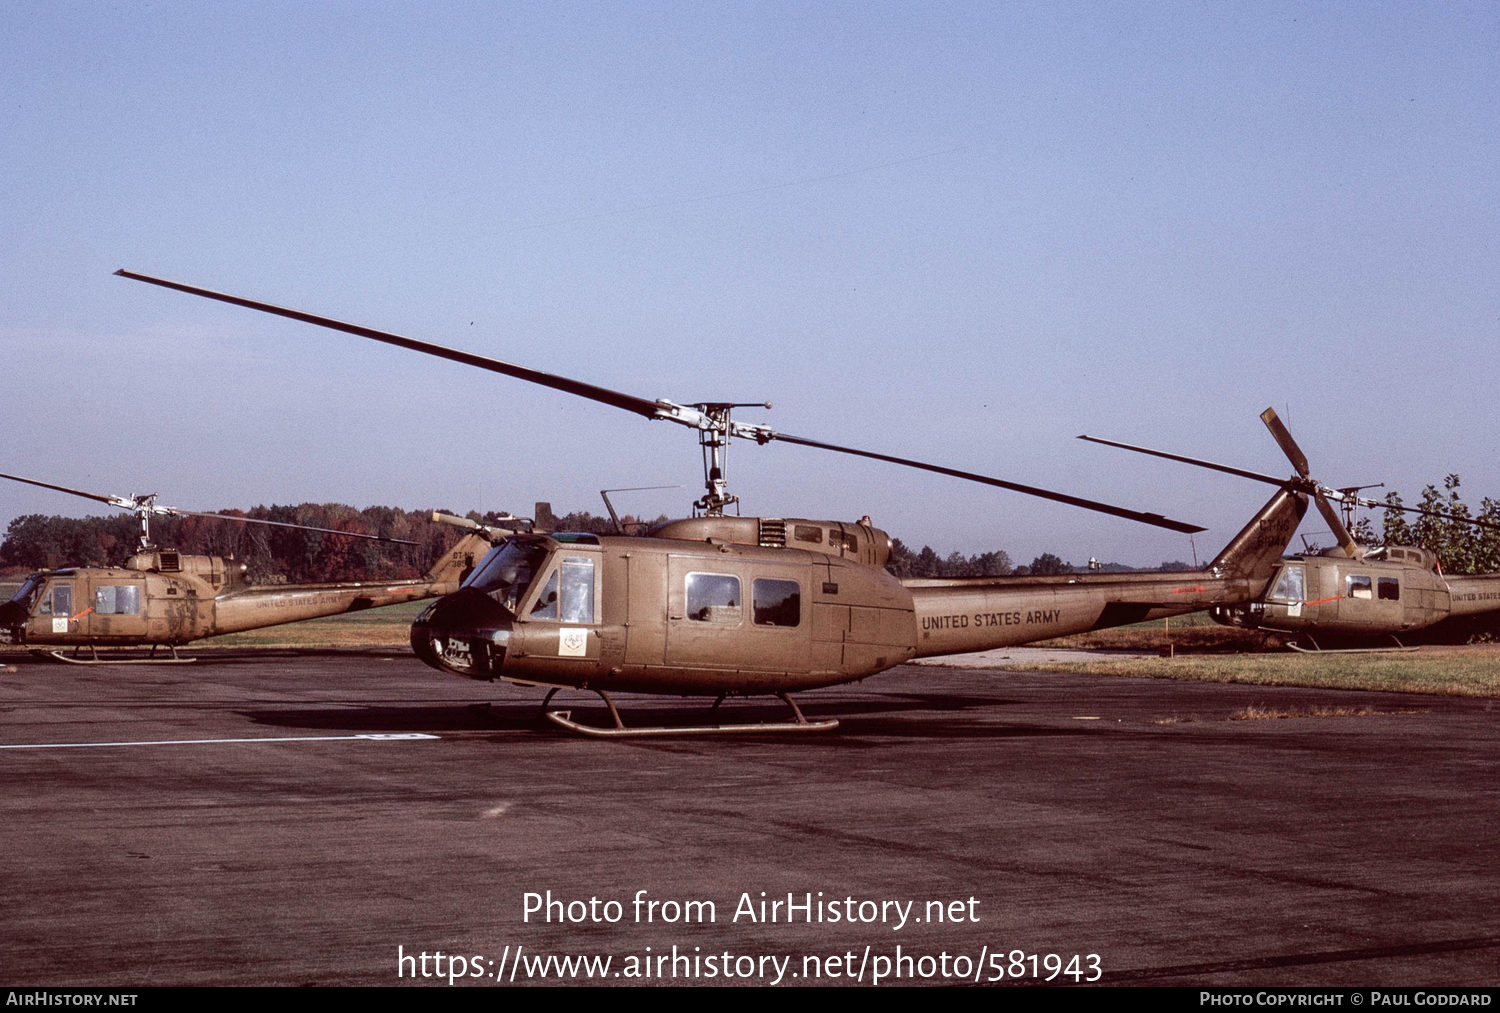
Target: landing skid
<point>564,719</point>
<point>94,659</point>
<point>1315,649</point>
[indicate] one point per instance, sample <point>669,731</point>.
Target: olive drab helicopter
<point>716,605</point>
<point>1350,592</point>
<point>165,598</point>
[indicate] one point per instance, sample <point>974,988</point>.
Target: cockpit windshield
<point>23,596</point>
<point>506,572</point>
<point>13,614</point>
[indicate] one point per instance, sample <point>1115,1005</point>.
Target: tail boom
<point>955,617</point>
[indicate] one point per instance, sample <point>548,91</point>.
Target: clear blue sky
<point>959,232</point>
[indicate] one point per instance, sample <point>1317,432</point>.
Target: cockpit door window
<point>1290,586</point>
<point>61,603</point>
<point>569,592</point>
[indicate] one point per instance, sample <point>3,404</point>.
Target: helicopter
<point>718,605</point>
<point>1349,592</point>
<point>165,598</point>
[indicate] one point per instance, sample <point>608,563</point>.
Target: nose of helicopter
<point>465,633</point>
<point>12,622</point>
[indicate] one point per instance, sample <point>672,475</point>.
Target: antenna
<point>614,517</point>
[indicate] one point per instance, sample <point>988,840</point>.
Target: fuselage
<point>170,598</point>
<point>1380,592</point>
<point>664,614</point>
<point>715,605</point>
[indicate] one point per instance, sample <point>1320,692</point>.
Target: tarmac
<point>343,818</point>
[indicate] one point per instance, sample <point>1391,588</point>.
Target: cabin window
<point>1358,586</point>
<point>117,600</point>
<point>713,598</point>
<point>1388,589</point>
<point>1289,587</point>
<point>569,594</point>
<point>809,533</point>
<point>777,602</point>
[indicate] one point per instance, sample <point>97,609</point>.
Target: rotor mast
<point>144,507</point>
<point>714,432</point>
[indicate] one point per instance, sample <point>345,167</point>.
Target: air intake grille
<point>773,533</point>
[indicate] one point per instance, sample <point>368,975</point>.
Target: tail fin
<point>1254,552</point>
<point>455,564</point>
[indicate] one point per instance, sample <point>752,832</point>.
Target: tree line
<point>1461,547</point>
<point>273,554</point>
<point>996,563</point>
<point>37,541</point>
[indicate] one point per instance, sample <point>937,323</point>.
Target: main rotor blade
<point>137,505</point>
<point>1336,523</point>
<point>1377,504</point>
<point>662,409</point>
<point>1135,515</point>
<point>1321,493</point>
<point>629,402</point>
<point>111,500</point>
<point>1241,472</point>
<point>288,524</point>
<point>1284,440</point>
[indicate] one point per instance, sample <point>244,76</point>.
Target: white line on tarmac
<point>393,737</point>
